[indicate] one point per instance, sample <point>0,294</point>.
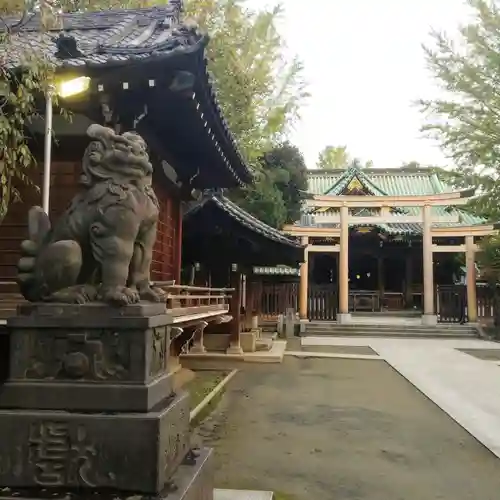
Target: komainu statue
<point>102,246</point>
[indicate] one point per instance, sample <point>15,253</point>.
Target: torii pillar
<point>343,316</point>
<point>429,317</point>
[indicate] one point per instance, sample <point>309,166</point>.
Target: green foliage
<point>288,169</point>
<point>259,90</point>
<point>337,157</point>
<point>263,200</point>
<point>277,195</point>
<point>260,93</point>
<point>466,121</point>
<point>334,157</point>
<point>489,258</point>
<point>18,93</point>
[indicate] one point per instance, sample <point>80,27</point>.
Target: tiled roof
<point>247,220</point>
<point>102,38</point>
<point>391,182</point>
<point>348,175</point>
<point>89,41</point>
<point>278,270</point>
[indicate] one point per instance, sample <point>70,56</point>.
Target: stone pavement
<point>465,387</point>
<point>242,495</point>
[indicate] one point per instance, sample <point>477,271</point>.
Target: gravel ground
<point>340,429</point>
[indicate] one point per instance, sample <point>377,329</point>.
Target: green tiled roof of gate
<point>390,182</point>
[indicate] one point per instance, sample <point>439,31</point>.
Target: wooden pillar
<point>470,262</point>
<point>304,282</point>
<point>428,270</point>
<point>344,261</point>
<point>235,312</point>
<point>250,302</point>
<point>178,250</point>
<point>409,280</point>
<point>381,279</point>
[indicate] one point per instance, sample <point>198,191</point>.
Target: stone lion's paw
<point>153,294</point>
<point>119,296</point>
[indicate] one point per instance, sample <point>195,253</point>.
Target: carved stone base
<point>235,349</point>
<point>85,396</point>
<point>123,451</point>
<point>190,482</point>
<point>198,348</point>
<point>4,353</point>
<point>88,358</point>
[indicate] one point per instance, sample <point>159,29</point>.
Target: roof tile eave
<point>252,222</point>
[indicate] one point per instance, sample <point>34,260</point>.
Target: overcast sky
<point>365,67</point>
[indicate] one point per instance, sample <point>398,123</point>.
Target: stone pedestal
<point>88,405</point>
<point>429,320</point>
<point>344,318</point>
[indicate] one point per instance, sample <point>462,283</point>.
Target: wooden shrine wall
<point>64,185</point>
<point>14,228</point>
<point>166,253</point>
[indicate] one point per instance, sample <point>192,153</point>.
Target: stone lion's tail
<point>38,228</point>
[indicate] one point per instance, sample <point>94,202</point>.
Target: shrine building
<point>386,240</point>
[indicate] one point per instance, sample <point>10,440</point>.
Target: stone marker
<point>87,407</point>
<point>290,323</point>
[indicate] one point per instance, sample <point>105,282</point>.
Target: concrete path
<point>242,495</point>
<point>465,387</point>
<point>342,429</point>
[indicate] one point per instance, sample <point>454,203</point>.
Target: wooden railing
<point>181,299</point>
<point>186,296</point>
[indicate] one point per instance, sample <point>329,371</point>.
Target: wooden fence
<point>451,302</point>
<point>275,299</point>
<point>322,303</point>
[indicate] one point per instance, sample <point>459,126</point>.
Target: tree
<point>411,164</point>
<point>466,121</point>
<point>260,91</point>
<point>18,91</point>
<point>263,201</point>
<point>489,262</point>
<point>334,157</point>
<point>287,167</point>
<point>276,197</point>
<point>337,157</point>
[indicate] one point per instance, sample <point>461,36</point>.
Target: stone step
<point>414,333</point>
<point>389,327</point>
<point>271,335</point>
<point>269,328</point>
<point>263,344</point>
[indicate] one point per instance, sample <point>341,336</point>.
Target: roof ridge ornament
<point>67,47</point>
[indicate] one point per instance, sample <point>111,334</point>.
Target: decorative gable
<point>355,187</point>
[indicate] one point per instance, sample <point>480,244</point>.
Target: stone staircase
<point>450,331</point>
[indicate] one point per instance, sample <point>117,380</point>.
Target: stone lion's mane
<point>108,148</point>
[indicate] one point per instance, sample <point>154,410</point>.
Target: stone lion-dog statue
<point>101,248</point>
